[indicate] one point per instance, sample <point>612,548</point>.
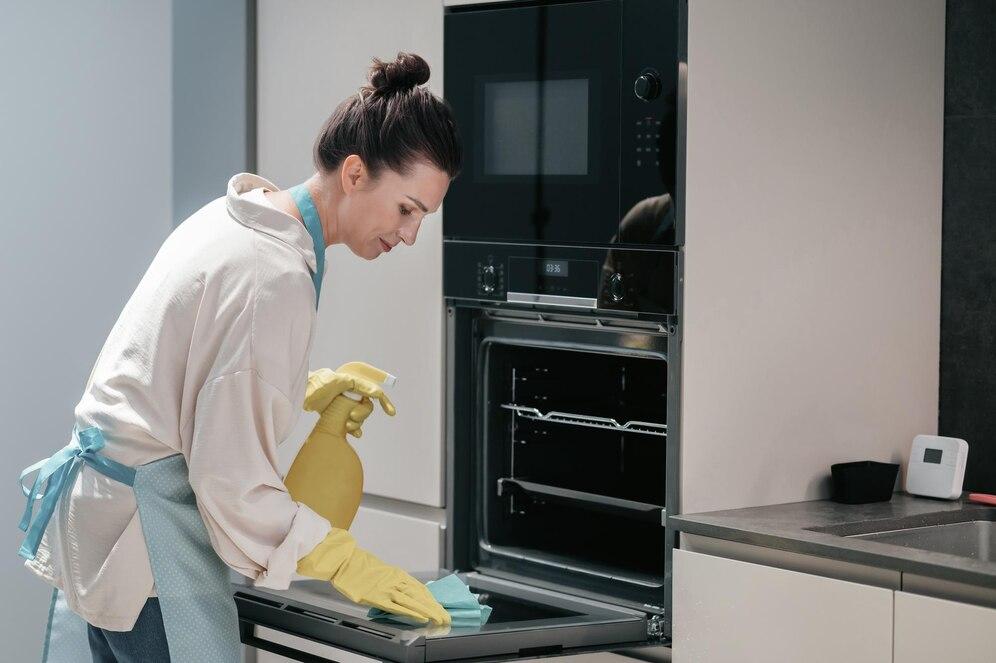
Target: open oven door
<point>310,618</point>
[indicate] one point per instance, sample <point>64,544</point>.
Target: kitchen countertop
<point>823,528</point>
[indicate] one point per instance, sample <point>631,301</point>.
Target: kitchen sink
<point>975,539</point>
<point>966,532</point>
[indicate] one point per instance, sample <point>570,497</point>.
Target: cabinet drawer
<point>731,611</point>
<point>929,630</point>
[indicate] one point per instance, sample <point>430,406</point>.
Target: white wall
<point>312,54</point>
<point>86,183</point>
<point>813,242</point>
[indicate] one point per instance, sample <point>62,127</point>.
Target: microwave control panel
<point>647,138</point>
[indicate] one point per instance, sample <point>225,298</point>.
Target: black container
<point>863,481</point>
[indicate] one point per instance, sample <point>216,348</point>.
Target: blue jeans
<point>144,643</point>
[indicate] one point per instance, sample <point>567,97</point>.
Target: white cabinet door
<point>928,630</point>
<point>311,55</point>
<point>731,611</point>
<point>414,544</point>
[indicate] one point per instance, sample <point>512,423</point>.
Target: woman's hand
<point>326,387</point>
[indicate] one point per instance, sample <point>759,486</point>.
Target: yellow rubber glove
<point>325,385</point>
<point>363,578</point>
<point>327,474</point>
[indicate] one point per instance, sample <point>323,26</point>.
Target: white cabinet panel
<point>414,544</point>
<point>312,54</point>
<point>928,630</point>
<point>731,611</point>
<point>815,112</point>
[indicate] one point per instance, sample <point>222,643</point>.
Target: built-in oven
<point>570,113</point>
<point>562,470</point>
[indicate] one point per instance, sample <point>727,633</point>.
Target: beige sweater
<point>207,359</point>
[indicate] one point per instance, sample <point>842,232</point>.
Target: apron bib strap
<point>309,214</point>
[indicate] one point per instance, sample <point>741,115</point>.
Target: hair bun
<point>407,71</point>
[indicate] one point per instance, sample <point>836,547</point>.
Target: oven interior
<point>572,480</point>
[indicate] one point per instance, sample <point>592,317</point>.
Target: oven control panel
<point>583,278</point>
<point>490,278</point>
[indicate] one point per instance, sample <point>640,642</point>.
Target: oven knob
<point>488,279</point>
<point>648,85</point>
<point>616,287</point>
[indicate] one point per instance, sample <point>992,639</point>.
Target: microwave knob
<point>488,279</point>
<point>647,85</point>
<point>616,287</point>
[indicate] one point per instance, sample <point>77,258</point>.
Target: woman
<point>170,476</point>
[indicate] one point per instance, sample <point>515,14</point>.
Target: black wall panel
<point>968,272</point>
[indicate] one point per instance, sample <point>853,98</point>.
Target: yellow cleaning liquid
<point>327,474</point>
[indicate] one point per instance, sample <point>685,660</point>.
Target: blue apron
<point>191,581</point>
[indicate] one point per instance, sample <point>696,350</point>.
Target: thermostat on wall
<point>936,467</point>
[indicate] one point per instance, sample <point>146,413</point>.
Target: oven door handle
<point>551,300</point>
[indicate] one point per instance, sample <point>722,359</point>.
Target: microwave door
<point>536,93</point>
<point>310,621</point>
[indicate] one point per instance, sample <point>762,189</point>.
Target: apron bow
<point>57,474</point>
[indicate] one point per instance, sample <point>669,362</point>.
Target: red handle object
<point>982,498</point>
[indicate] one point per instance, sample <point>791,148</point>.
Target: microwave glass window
<point>536,127</point>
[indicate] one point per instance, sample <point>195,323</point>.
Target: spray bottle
<point>327,474</point>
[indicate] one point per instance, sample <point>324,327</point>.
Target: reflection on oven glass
<point>627,279</point>
<point>509,609</point>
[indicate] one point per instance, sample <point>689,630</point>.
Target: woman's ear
<point>353,173</point>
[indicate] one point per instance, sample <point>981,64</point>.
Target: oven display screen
<point>548,276</point>
<point>553,268</point>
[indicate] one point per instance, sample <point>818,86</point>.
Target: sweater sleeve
<point>254,525</point>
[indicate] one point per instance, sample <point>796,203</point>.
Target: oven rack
<point>630,509</point>
<point>570,564</point>
<point>590,421</point>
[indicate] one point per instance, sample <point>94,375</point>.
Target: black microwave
<point>572,115</point>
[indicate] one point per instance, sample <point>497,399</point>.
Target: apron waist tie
<point>58,474</point>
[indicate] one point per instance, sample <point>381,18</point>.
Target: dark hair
<point>392,121</point>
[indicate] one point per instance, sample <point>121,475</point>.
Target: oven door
<point>311,622</point>
<point>558,146</point>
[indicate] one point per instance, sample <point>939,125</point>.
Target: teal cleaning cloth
<point>452,594</point>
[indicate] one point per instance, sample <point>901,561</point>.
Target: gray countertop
<point>822,528</point>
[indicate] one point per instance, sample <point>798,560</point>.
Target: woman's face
<point>377,215</point>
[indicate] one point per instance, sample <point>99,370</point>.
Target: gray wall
<point>213,117</point>
<point>85,138</point>
<point>968,308</point>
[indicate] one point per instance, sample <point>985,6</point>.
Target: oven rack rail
<point>590,421</point>
<point>631,509</point>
